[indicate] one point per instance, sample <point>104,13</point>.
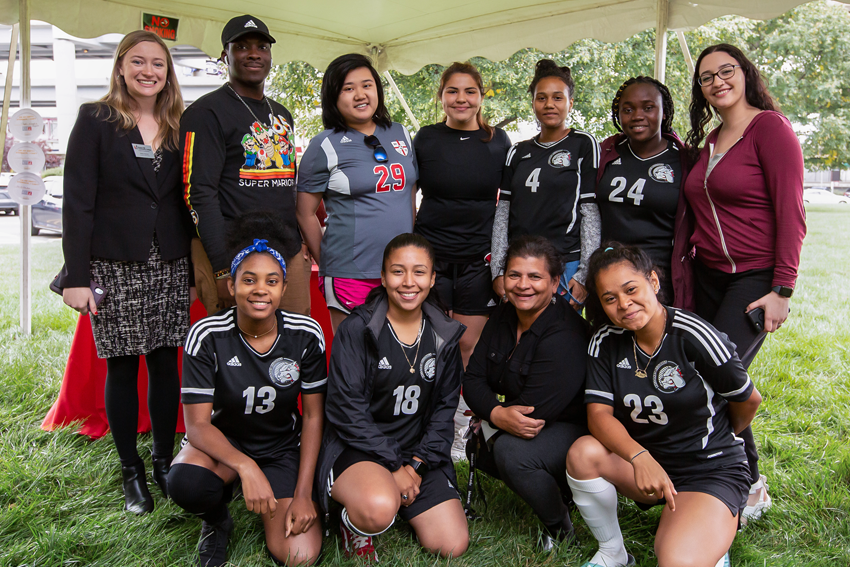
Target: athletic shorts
<point>281,471</point>
<point>730,485</point>
<point>438,485</point>
<point>344,294</point>
<point>465,288</point>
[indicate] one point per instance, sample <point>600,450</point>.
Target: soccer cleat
<point>629,563</point>
<point>762,503</point>
<point>212,548</point>
<point>357,545</point>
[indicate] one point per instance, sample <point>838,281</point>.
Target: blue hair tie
<point>258,246</point>
<point>607,249</point>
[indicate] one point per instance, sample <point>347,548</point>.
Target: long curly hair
<point>118,104</point>
<point>666,102</point>
<point>467,69</point>
<point>701,112</point>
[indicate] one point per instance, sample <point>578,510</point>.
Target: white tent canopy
<point>402,35</point>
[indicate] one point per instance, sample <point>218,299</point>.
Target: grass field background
<point>60,493</point>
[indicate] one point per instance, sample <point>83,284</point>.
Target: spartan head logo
<point>428,367</point>
<point>661,172</point>
<point>561,158</point>
<point>284,372</point>
<point>668,378</point>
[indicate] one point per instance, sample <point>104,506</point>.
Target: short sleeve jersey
<point>637,201</point>
<point>254,395</point>
<point>368,203</point>
<point>546,184</point>
<point>401,398</point>
<point>459,175</point>
<point>238,156</point>
<point>679,412</point>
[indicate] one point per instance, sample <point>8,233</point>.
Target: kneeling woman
<point>666,395</point>
<point>393,388</point>
<point>243,370</point>
<point>532,352</point>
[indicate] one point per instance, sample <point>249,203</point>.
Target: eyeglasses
<point>378,151</point>
<point>707,79</point>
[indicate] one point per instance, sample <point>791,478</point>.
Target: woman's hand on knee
<point>652,480</point>
<point>300,516</point>
<point>259,496</point>
<point>514,420</point>
<point>408,486</point>
<point>80,299</point>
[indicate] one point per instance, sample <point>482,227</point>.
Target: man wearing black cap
<point>239,156</point>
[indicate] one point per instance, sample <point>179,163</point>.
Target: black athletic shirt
<point>255,396</point>
<point>679,411</point>
<point>637,201</point>
<point>459,176</point>
<point>236,160</point>
<point>546,184</point>
<point>400,398</point>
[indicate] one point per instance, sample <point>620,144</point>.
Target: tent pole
<point>25,210</point>
<point>401,100</point>
<point>662,12</point>
<point>7,99</point>
<point>683,43</point>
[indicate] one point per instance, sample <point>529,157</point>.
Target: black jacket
<point>113,202</point>
<point>545,370</point>
<point>354,363</point>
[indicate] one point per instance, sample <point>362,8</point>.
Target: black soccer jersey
<point>545,185</point>
<point>254,396</point>
<point>459,175</point>
<point>637,201</point>
<point>400,398</point>
<point>679,411</point>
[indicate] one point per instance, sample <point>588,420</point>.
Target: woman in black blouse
<point>532,352</point>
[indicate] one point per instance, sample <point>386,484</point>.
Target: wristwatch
<point>419,467</point>
<point>784,291</point>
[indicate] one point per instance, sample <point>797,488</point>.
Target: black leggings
<point>721,299</point>
<point>536,469</point>
<point>122,401</point>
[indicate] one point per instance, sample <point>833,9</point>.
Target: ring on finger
<point>404,497</point>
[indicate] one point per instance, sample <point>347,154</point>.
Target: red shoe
<point>357,545</point>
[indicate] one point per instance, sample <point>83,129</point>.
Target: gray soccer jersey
<point>368,202</point>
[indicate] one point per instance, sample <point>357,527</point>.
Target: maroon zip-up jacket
<point>749,213</point>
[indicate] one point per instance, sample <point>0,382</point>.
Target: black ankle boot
<point>137,499</point>
<point>159,472</point>
<point>552,536</point>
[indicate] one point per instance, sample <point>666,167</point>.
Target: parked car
<point>7,205</point>
<point>822,195</point>
<point>47,213</point>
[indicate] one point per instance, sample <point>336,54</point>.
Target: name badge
<point>143,151</point>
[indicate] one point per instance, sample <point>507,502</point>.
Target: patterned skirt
<point>146,304</point>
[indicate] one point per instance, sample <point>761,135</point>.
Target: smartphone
<point>756,317</point>
<point>98,292</point>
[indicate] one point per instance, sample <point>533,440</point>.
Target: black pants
<point>536,469</point>
<point>122,401</point>
<point>721,299</point>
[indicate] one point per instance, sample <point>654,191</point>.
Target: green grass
<point>60,494</point>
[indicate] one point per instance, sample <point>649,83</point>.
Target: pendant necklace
<point>265,98</point>
<point>641,373</point>
<point>273,327</point>
<point>418,343</point>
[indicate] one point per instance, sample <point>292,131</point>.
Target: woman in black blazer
<point>127,230</point>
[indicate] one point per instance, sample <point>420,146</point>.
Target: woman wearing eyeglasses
<point>746,192</point>
<point>364,167</point>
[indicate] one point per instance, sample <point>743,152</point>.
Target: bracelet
<point>636,455</point>
<point>222,274</point>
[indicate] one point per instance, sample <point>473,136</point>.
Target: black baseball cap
<point>242,25</point>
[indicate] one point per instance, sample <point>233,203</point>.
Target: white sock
<point>596,499</point>
<point>347,521</point>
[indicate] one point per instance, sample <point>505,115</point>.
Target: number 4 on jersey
<point>532,181</point>
<point>635,192</point>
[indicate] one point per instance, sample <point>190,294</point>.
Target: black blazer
<point>113,201</point>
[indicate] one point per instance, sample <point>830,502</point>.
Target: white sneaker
<point>762,501</point>
<point>357,545</point>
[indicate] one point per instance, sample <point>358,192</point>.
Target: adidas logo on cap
<point>234,361</point>
<point>384,364</point>
<point>250,24</point>
<point>624,364</point>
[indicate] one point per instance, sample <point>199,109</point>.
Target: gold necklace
<point>641,373</point>
<point>418,344</point>
<point>273,327</point>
